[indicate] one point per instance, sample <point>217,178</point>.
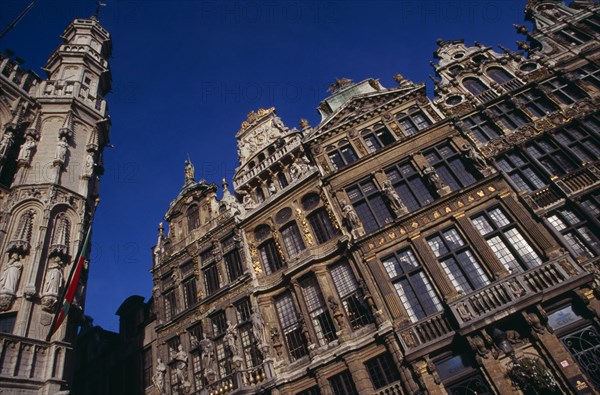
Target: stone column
<point>324,386</point>
<point>359,373</point>
<point>428,377</point>
<point>408,382</point>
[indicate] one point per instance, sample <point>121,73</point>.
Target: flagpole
<point>17,19</point>
<point>78,257</point>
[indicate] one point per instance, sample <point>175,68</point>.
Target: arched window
<point>499,75</point>
<point>193,219</point>
<point>474,85</point>
<point>292,239</point>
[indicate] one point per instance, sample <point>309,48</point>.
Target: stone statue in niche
<point>295,170</point>
<point>54,279</point>
<point>88,170</point>
<point>394,199</point>
<point>477,159</point>
<point>9,279</point>
<point>230,336</point>
<point>247,201</point>
<point>352,221</point>
<point>208,354</point>
<point>272,188</point>
<point>26,151</point>
<point>436,181</point>
<point>258,326</point>
<point>5,143</point>
<point>181,359</point>
<point>61,150</point>
<point>159,376</point>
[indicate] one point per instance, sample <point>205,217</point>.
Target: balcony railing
<point>391,389</point>
<point>515,292</point>
<point>543,198</point>
<point>243,380</point>
<point>487,95</point>
<point>22,357</point>
<point>512,84</point>
<point>425,332</point>
<point>577,181</point>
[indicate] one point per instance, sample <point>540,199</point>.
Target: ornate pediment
<point>261,129</point>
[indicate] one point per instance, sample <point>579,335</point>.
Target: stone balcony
<point>516,292</point>
<point>431,330</point>
<point>244,381</point>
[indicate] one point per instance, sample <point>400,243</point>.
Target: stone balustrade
<point>424,332</point>
<point>516,292</point>
<point>243,381</point>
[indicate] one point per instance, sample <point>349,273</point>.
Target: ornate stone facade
<point>53,134</point>
<point>403,245</point>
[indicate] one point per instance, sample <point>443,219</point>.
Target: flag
<point>73,282</point>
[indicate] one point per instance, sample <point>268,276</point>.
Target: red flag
<point>72,283</point>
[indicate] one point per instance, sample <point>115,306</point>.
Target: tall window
<point>147,368</point>
<point>377,137</point>
<point>483,129</point>
<point>342,384</point>
<point>342,155</point>
<point>190,293</point>
<point>565,91</point>
<point>591,204</point>
<point>450,165</point>
<point>290,325</point>
<point>233,263</point>
<point>590,74</point>
<point>499,75</point>
<point>510,116</point>
<point>382,370</point>
<point>457,260</point>
<point>243,312</point>
<point>317,310</point>
<point>506,241</point>
<point>283,182</point>
<point>321,225</point>
<point>474,85</point>
<point>193,218</point>
<point>550,156</point>
<point>211,279</point>
<point>409,185</point>
<point>270,257</point>
<point>576,232</point>
<point>580,140</point>
<point>170,304</point>
<point>413,122</point>
<point>352,295</point>
<point>523,174</point>
<point>369,205</point>
<point>292,239</point>
<point>223,355</point>
<point>414,289</point>
<point>537,103</point>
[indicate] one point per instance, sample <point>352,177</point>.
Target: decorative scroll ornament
<point>339,84</point>
<point>304,224</point>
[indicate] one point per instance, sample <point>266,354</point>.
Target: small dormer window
<point>377,137</point>
<point>193,219</point>
<point>479,58</point>
<point>475,86</point>
<point>459,55</point>
<point>455,70</point>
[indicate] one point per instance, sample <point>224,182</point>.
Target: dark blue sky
<point>186,73</point>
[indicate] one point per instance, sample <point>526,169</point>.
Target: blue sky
<point>186,73</point>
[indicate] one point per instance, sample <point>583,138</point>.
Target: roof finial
<point>99,4</point>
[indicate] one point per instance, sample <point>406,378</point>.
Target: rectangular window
<point>414,289</point>
<point>591,204</point>
<point>382,370</point>
<point>190,293</point>
<point>311,391</point>
<point>412,123</point>
<point>292,240</point>
<point>211,279</point>
<point>511,117</point>
<point>575,231</point>
<point>195,333</point>
<point>409,185</point>
<point>377,139</point>
<point>457,260</point>
<point>556,162</point>
<point>317,310</point>
<point>170,305</point>
<point>342,156</point>
<point>369,205</point>
<point>342,384</point>
<point>580,141</point>
<point>243,310</point>
<point>147,367</point>
<point>233,263</point>
<point>290,325</point>
<point>7,322</point>
<point>565,91</point>
<point>270,257</point>
<point>352,296</point>
<point>483,129</point>
<point>451,166</point>
<point>536,102</point>
<point>506,241</point>
<point>571,36</point>
<point>590,74</point>
<point>321,225</point>
<point>521,171</point>
<point>219,323</point>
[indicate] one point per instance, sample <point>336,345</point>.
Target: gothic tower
<point>53,134</point>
